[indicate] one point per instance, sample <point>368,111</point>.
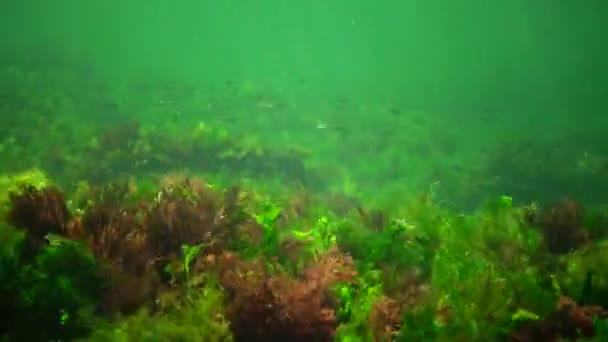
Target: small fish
<point>395,111</point>
<point>56,240</point>
<point>113,105</point>
<point>324,125</point>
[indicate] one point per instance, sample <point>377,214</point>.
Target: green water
<point>459,56</point>
<point>473,71</point>
<point>389,170</point>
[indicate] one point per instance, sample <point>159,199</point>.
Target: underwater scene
<point>321,170</point>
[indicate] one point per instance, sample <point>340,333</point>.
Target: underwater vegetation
<point>132,230</point>
<point>189,261</point>
<point>529,169</point>
<point>76,127</point>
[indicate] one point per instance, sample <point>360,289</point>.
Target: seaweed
<point>264,305</point>
<point>562,226</point>
<point>39,212</point>
<point>567,321</point>
<point>178,229</point>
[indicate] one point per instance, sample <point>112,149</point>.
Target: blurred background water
<point>417,88</point>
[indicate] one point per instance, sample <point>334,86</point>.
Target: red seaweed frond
<point>192,214</point>
<point>117,237</point>
<point>385,318</point>
<point>38,211</point>
<point>278,306</point>
<point>569,320</point>
<point>562,225</point>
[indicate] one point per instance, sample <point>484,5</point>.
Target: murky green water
<point>465,57</point>
<point>334,76</point>
<point>407,170</point>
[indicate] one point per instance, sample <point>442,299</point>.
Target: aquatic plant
<point>537,169</point>
<point>427,274</point>
<point>199,319</point>
<point>155,237</point>
<point>55,290</point>
<point>567,321</point>
<point>138,242</point>
<point>267,219</point>
<point>268,303</point>
<point>12,183</point>
<point>39,212</point>
<point>562,226</point>
<point>366,313</point>
<point>117,238</point>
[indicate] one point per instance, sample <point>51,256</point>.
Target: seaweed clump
<point>162,255</point>
<point>47,281</point>
<point>562,226</point>
<point>192,213</point>
<point>142,242</point>
<point>539,169</point>
<point>116,237</point>
<point>267,305</point>
<point>568,320</point>
<point>39,212</point>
